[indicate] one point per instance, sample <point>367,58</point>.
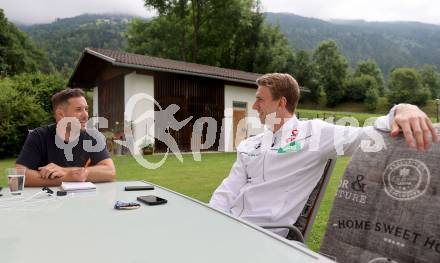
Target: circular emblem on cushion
<point>406,179</point>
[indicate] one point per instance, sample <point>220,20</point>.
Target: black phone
<point>152,200</point>
<point>139,188</point>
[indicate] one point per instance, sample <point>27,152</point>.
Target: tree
<point>25,104</point>
<point>304,71</point>
<point>363,88</point>
<point>18,114</point>
<point>195,22</point>
<point>155,38</point>
<point>332,69</point>
<point>17,52</point>
<point>40,87</point>
<point>358,86</point>
<point>371,98</point>
<point>229,34</point>
<point>405,85</point>
<point>431,79</point>
<point>369,67</point>
<point>272,54</point>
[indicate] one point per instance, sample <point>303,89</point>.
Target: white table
<point>84,227</point>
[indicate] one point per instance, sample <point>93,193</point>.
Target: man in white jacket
<point>276,171</point>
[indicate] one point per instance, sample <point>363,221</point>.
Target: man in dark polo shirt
<point>44,153</point>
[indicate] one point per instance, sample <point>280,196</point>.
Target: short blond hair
<point>281,85</point>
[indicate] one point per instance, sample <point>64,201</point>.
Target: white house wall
<point>239,94</point>
<point>96,122</point>
<point>139,92</point>
<point>95,102</point>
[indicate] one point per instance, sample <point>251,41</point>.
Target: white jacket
<point>275,173</point>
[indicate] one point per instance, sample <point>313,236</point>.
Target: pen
<point>87,163</point>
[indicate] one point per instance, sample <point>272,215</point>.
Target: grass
<point>382,106</point>
<point>192,178</point>
<point>308,111</point>
<point>312,114</point>
<point>200,179</point>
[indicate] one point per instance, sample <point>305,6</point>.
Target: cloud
<point>370,10</point>
<point>45,11</point>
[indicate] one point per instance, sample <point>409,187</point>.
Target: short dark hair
<point>281,85</point>
<point>64,95</point>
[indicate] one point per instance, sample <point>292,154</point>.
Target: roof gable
<point>136,61</point>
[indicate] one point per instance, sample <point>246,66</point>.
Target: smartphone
<point>152,200</point>
<point>139,188</point>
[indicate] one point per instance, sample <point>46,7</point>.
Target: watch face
<point>382,260</point>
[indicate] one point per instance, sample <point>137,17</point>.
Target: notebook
<point>78,186</point>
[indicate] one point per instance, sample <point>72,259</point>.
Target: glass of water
<point>16,177</point>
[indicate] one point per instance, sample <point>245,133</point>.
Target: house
<point>200,91</point>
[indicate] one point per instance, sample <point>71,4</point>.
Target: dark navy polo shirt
<point>40,149</point>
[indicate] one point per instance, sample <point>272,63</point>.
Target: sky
<point>46,11</point>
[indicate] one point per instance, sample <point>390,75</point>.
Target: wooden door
<point>239,126</point>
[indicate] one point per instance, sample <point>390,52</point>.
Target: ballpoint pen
<point>86,165</point>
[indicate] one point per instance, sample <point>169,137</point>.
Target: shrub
<point>405,85</point>
<point>40,86</point>
<point>371,99</point>
<point>357,87</point>
<point>18,114</point>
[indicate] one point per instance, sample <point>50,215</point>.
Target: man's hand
<point>78,175</point>
<point>70,174</point>
<point>415,125</point>
<point>52,171</point>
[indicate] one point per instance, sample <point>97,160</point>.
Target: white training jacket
<point>275,173</point>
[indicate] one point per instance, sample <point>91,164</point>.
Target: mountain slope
<point>18,53</point>
<point>65,39</point>
<point>391,44</point>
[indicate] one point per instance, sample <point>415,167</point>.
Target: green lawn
<point>312,114</point>
<point>356,107</point>
<point>199,179</point>
<point>358,110</point>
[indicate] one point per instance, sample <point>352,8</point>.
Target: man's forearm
<point>33,179</point>
<point>97,173</point>
<point>101,173</point>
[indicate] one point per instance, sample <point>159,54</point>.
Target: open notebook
<point>78,186</point>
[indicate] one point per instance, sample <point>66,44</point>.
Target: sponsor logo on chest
<point>292,145</point>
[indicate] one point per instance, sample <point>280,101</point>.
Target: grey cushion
<point>387,208</point>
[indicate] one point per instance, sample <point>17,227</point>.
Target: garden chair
<point>303,225</point>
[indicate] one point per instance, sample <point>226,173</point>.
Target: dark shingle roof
<point>159,64</point>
